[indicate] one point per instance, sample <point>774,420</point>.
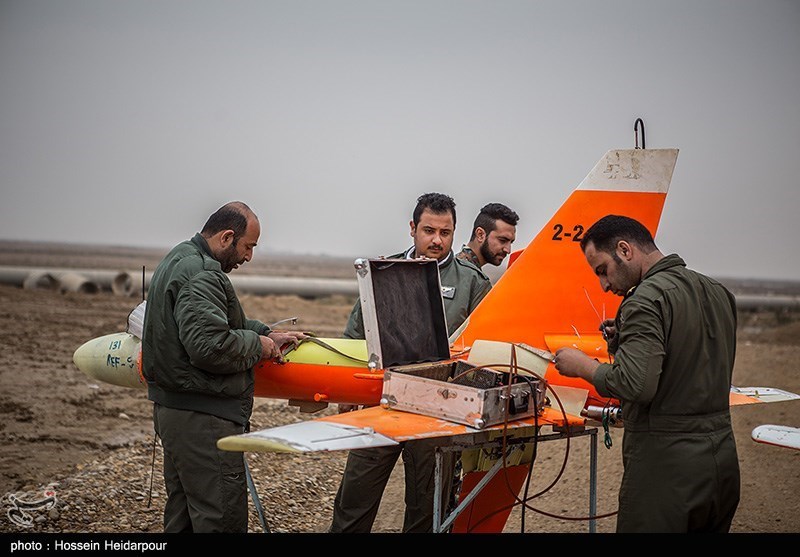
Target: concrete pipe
<point>74,282</point>
<point>117,282</point>
<point>108,281</point>
<point>15,276</point>
<point>122,284</point>
<point>766,302</point>
<point>39,280</point>
<point>134,285</point>
<point>263,285</point>
<point>298,286</point>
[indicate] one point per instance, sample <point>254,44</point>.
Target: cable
<point>605,420</point>
<point>514,368</point>
<point>525,501</point>
<point>327,346</point>
<point>533,456</point>
<point>558,476</point>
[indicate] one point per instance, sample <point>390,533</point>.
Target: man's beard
<point>488,256</point>
<point>228,259</point>
<point>627,277</point>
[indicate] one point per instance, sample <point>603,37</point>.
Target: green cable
<point>607,435</point>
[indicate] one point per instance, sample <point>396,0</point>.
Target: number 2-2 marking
<point>575,235</point>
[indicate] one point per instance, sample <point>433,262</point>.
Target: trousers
<point>206,487</point>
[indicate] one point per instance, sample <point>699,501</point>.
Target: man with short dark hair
<point>674,344</point>
<point>368,470</point>
<point>493,232</point>
<point>198,353</point>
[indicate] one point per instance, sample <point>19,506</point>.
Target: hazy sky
<point>129,122</point>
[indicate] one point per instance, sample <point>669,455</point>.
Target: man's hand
<point>571,362</point>
<point>269,350</point>
<point>609,329</point>
<point>286,339</point>
<point>274,344</point>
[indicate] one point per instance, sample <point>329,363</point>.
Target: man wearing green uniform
<point>674,343</point>
<point>198,353</point>
<point>368,470</point>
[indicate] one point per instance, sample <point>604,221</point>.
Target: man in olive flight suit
<point>674,344</point>
<point>198,353</point>
<point>368,470</point>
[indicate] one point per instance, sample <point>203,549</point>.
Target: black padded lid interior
<point>410,314</point>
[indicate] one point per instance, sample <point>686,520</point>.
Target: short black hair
<point>437,203</point>
<point>608,231</point>
<point>489,215</point>
<point>231,216</point>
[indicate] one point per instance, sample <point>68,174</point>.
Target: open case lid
<point>403,311</point>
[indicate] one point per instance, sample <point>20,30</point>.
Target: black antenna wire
<point>636,126</point>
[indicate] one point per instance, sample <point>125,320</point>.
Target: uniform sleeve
<point>355,324</point>
<point>200,313</point>
<point>257,326</point>
<point>637,366</point>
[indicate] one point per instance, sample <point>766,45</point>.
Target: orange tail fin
<point>550,295</point>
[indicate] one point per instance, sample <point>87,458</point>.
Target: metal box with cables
<point>449,390</point>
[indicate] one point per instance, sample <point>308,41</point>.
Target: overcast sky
<point>129,122</point>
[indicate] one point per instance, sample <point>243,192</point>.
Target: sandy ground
<point>94,444</point>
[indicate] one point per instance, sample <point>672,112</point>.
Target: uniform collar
<point>468,254</point>
<point>442,262</point>
<point>666,262</point>
<point>202,243</point>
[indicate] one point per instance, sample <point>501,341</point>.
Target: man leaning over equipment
<point>198,353</point>
<point>674,343</point>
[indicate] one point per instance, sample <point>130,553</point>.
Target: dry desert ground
<point>93,444</point>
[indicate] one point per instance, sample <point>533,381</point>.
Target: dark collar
<point>666,262</point>
<point>442,262</point>
<point>202,243</point>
